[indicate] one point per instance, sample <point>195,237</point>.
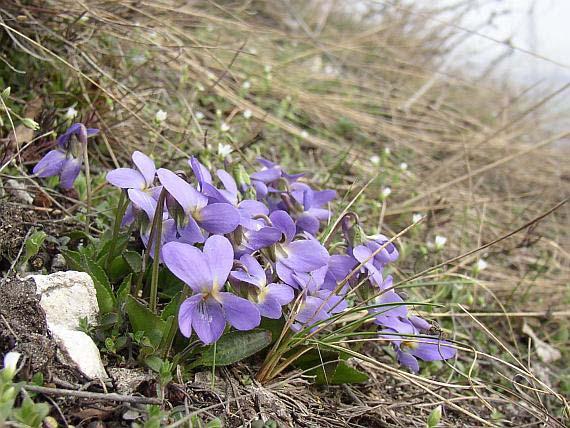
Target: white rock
<point>66,297</point>
<point>81,349</point>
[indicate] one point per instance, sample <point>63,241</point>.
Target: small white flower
<point>481,265</point>
<point>224,127</point>
<point>417,217</point>
<point>246,85</point>
<point>404,166</point>
<point>200,87</point>
<point>386,191</point>
<point>440,242</point>
<point>375,159</point>
<point>70,113</point>
<point>387,151</point>
<point>304,134</point>
<point>138,59</point>
<point>160,116</point>
<point>218,112</point>
<point>199,115</point>
<point>247,114</point>
<point>224,150</point>
<point>267,68</point>
<point>11,362</point>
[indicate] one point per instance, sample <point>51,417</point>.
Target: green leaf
<point>124,289</point>
<point>233,347</point>
<point>154,363</point>
<point>434,417</point>
<point>143,319</point>
<point>214,423</point>
<point>73,259</point>
<point>105,297</point>
<point>33,245</point>
<point>104,245</point>
<point>324,364</point>
<point>171,309</point>
<point>346,374</point>
<point>274,326</point>
<point>134,260</point>
<point>118,269</point>
<point>76,235</point>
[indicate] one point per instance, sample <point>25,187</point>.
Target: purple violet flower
<point>265,180</point>
<point>218,218</point>
<point>269,298</point>
<point>65,160</point>
<point>295,256</point>
<point>311,201</point>
<point>247,208</point>
<point>318,304</point>
<point>400,329</point>
<point>426,349</point>
<point>206,273</point>
<point>139,184</point>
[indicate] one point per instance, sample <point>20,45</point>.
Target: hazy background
<point>538,26</point>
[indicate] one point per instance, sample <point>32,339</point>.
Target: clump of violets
<point>66,159</point>
<point>248,247</point>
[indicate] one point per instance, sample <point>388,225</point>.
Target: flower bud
<point>11,364</point>
<point>434,417</point>
<point>440,242</point>
<point>160,116</point>
<point>242,177</point>
<point>9,395</point>
<point>30,123</point>
<point>479,266</point>
<point>70,113</point>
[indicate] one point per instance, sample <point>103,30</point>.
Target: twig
<point>92,395</point>
<point>9,327</point>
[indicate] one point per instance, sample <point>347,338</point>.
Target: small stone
<point>18,190</point>
<point>127,381</point>
<point>58,263</point>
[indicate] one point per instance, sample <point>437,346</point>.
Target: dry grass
<point>482,157</point>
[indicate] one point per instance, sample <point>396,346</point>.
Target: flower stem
<point>87,186</point>
<point>157,225</point>
<point>121,208</point>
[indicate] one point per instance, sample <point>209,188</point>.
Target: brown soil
<point>14,225</point>
<point>23,328</point>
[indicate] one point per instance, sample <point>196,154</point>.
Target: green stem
<point>157,241</point>
<point>87,186</point>
<point>121,208</point>
<point>146,254</point>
